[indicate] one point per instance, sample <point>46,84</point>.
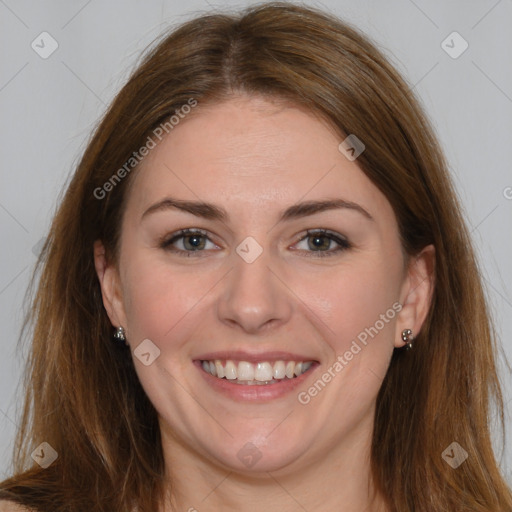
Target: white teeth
<point>263,372</point>
<point>245,371</point>
<point>279,370</point>
<point>251,374</point>
<point>230,370</point>
<point>219,369</point>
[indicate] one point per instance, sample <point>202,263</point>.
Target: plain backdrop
<point>50,105</point>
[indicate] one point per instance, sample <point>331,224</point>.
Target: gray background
<point>49,107</point>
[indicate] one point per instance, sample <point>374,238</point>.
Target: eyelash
<point>343,244</point>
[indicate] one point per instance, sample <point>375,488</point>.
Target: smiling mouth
<point>254,374</point>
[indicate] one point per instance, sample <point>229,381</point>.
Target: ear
<point>108,276</point>
<point>416,293</point>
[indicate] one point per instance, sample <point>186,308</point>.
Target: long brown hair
<point>82,393</point>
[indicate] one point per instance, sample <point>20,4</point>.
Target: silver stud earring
<point>407,338</point>
<point>120,335</point>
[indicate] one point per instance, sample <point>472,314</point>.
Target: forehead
<point>252,153</point>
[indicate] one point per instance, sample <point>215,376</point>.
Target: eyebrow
<point>213,212</point>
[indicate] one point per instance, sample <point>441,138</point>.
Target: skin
<point>255,158</point>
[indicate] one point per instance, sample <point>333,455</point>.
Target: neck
<point>335,481</point>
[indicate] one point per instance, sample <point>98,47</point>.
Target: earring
<point>407,338</point>
<point>120,335</point>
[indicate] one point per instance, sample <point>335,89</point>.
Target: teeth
<point>306,366</point>
<point>230,370</point>
<point>219,369</point>
<point>263,372</point>
<point>279,370</point>
<point>290,369</point>
<point>245,371</point>
<point>252,374</point>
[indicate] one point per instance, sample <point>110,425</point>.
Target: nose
<point>254,299</point>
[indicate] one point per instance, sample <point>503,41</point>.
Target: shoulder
<point>10,506</point>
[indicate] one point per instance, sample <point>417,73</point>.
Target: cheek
<point>355,302</point>
<point>158,297</point>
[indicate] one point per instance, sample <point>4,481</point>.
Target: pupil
<point>317,242</point>
<point>194,241</point>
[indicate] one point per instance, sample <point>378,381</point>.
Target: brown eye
<point>194,242</point>
<point>321,243</point>
<point>187,241</point>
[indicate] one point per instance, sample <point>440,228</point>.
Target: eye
<point>187,241</point>
<point>320,243</point>
<point>192,242</point>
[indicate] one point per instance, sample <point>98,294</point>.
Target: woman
<point>259,292</point>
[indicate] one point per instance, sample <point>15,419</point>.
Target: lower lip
<point>255,393</point>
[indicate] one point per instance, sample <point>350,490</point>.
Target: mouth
<point>255,380</point>
<point>254,374</point>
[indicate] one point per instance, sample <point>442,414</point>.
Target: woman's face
<point>249,292</point>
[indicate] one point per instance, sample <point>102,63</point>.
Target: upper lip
<point>253,357</point>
